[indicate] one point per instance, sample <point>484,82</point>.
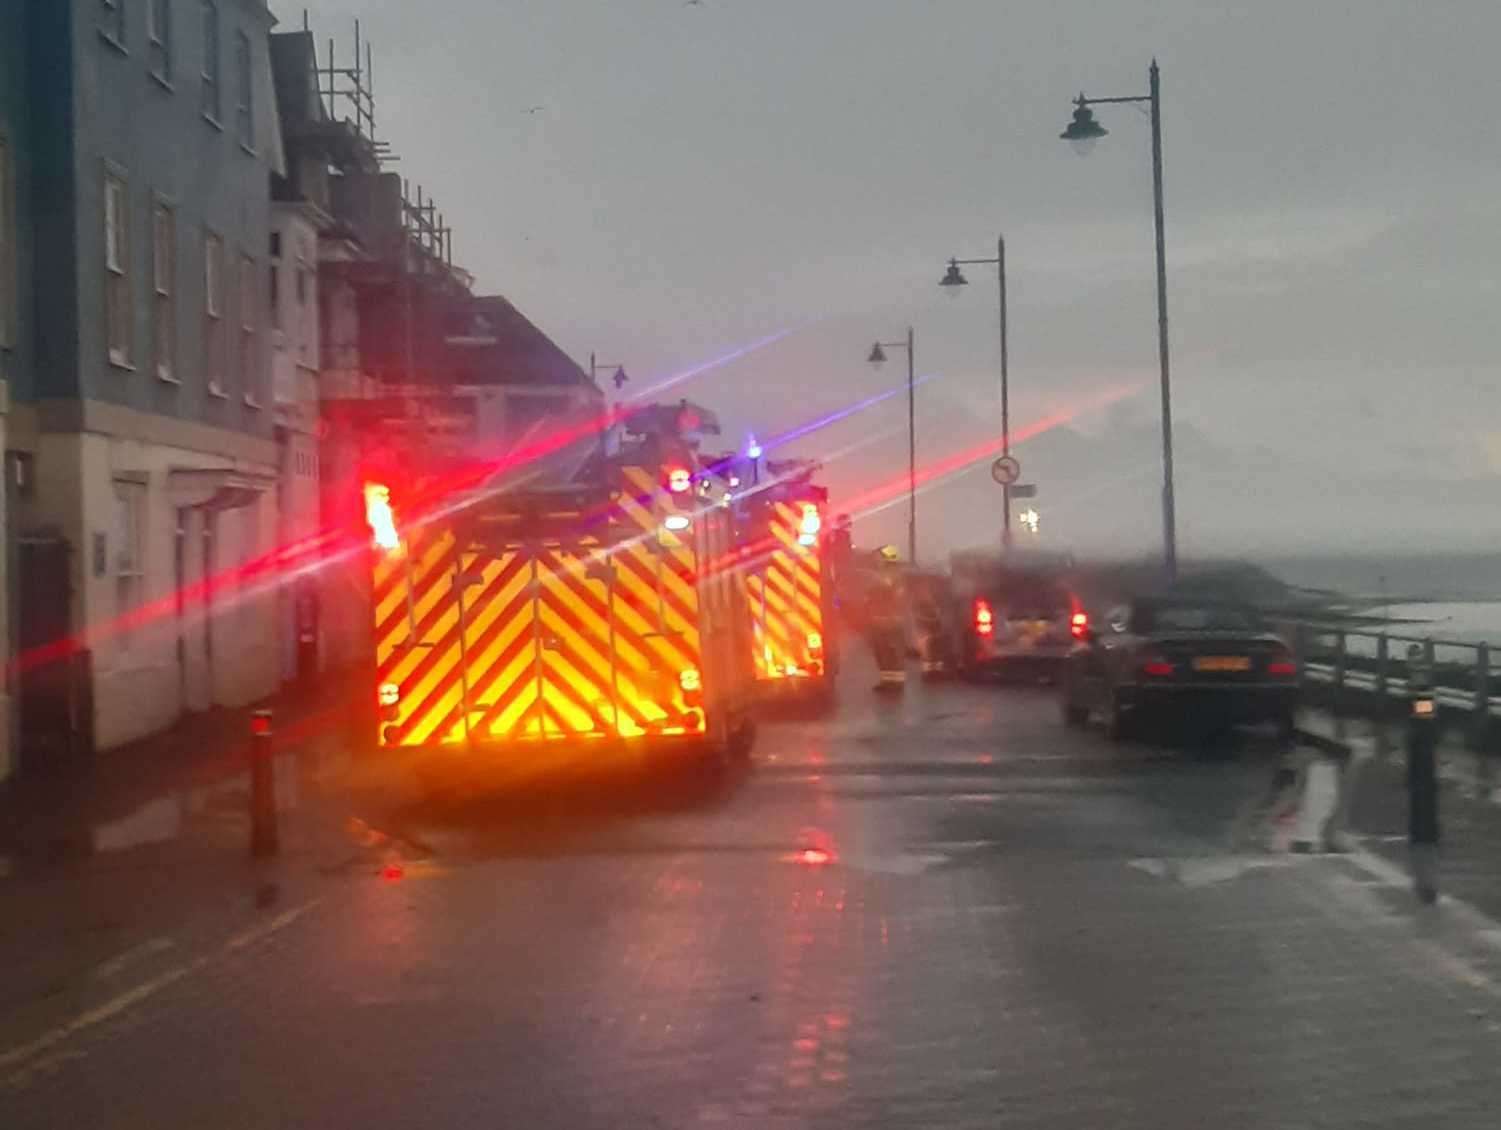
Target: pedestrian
<point>886,621</point>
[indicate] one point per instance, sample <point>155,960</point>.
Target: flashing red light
<point>679,480</point>
<point>1157,668</point>
<point>392,872</point>
<point>380,517</point>
<point>1078,624</point>
<point>1282,668</point>
<point>260,725</point>
<point>814,857</point>
<point>984,618</point>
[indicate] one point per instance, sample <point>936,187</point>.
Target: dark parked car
<point>1167,659</point>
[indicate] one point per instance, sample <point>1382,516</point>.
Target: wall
<point>229,651</point>
<point>158,137</point>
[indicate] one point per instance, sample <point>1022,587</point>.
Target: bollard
<point>263,837</point>
<point>1422,776</point>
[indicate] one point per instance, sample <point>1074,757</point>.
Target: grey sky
<point>703,176</point>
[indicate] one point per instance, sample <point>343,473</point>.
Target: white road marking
<point>22,1056</point>
<point>115,965</point>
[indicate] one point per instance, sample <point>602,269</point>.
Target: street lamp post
<point>954,278</point>
<point>878,358</point>
<point>1082,133</point>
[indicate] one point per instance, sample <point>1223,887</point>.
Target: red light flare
<point>897,486</point>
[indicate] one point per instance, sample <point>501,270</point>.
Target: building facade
<point>149,430</point>
<point>17,344</point>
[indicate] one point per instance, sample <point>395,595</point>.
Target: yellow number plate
<point>1222,663</point>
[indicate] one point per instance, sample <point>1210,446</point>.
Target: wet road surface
<point>941,910</point>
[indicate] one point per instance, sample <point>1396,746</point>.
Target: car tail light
<point>1078,624</point>
<point>1282,666</point>
<point>984,618</point>
<point>1156,667</point>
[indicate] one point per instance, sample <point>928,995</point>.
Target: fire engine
<point>780,516</point>
<point>528,604</point>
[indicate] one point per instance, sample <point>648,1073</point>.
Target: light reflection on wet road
<point>942,911</point>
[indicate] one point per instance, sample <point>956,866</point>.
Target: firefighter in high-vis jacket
<point>886,616</point>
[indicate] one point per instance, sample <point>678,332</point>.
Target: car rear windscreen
<point>1195,618</point>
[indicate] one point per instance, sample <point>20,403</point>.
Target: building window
<point>7,249</point>
<point>159,38</point>
<point>130,546</point>
<point>117,268</point>
<point>112,21</point>
<point>273,296</point>
<point>164,290</point>
<point>305,315</point>
<point>245,93</point>
<point>211,97</point>
<point>213,313</point>
<point>246,350</point>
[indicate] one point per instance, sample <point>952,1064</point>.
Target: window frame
<point>244,63</point>
<point>245,340</point>
<point>9,279</point>
<point>211,70</point>
<point>213,312</point>
<point>164,290</point>
<point>159,40</point>
<point>128,560</point>
<point>119,306</point>
<point>112,22</point>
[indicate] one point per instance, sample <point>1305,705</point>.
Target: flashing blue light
<point>754,450</point>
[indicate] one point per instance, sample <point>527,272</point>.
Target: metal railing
<point>1355,663</point>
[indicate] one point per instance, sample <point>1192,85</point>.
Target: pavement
<point>943,910</point>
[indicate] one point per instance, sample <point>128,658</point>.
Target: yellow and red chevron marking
<point>537,644</point>
<point>784,594</point>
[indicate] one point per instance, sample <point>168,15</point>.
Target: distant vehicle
<point>1013,616</point>
<point>1167,659</point>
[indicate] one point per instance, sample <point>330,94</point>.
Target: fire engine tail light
<point>810,525</point>
<point>679,480</point>
<point>690,680</point>
<point>984,618</point>
<point>381,517</point>
<point>389,697</point>
<point>676,523</point>
<point>815,643</point>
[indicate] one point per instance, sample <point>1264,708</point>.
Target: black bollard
<point>263,836</point>
<point>1422,778</point>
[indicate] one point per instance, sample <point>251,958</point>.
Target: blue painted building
<point>143,135</point>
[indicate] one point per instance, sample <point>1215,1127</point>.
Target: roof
<point>490,342</point>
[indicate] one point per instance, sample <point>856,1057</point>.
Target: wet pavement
<point>943,910</point>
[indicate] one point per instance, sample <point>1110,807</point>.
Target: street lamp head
<point>1083,131</point>
<point>877,356</point>
<point>953,279</point>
